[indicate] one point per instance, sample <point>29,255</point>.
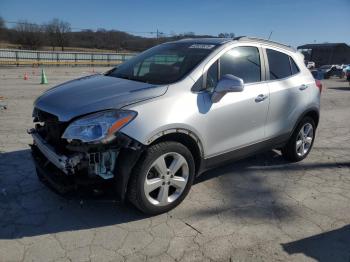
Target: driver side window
<point>242,61</point>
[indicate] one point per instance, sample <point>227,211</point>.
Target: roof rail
<point>261,40</point>
<point>238,37</point>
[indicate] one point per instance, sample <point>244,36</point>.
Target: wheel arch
<point>311,112</point>
<point>314,115</point>
<point>185,137</point>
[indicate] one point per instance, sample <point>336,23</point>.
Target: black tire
<point>39,175</point>
<point>136,193</point>
<point>289,151</point>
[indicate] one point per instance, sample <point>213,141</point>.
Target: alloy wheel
<point>166,179</point>
<point>304,139</point>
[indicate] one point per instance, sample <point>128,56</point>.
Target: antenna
<point>270,35</point>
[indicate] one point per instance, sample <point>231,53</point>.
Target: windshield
<point>326,67</point>
<point>163,64</point>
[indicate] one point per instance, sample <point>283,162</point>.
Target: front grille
<point>51,129</point>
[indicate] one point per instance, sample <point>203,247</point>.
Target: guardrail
<point>37,58</point>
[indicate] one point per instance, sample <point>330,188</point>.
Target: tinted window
<point>279,64</point>
<point>243,62</point>
<point>294,66</point>
<point>163,64</point>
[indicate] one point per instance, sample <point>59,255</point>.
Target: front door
<point>239,118</point>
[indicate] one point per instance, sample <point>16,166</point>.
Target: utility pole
<point>157,33</point>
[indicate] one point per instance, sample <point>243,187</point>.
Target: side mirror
<point>228,83</point>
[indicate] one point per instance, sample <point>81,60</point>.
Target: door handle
<point>260,98</point>
<point>303,87</point>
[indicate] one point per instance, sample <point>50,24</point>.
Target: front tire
<point>301,141</point>
<point>162,178</point>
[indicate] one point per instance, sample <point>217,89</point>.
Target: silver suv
<point>152,124</point>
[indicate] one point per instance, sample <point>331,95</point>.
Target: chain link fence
<point>11,57</point>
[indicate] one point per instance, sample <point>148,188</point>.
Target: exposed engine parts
<point>102,163</point>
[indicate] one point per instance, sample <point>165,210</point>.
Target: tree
<point>2,27</point>
<point>226,35</point>
<point>2,23</point>
<point>58,33</point>
<point>29,35</point>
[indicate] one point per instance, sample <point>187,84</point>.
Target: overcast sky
<point>293,22</point>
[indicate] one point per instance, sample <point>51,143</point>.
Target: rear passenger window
<point>243,62</point>
<point>279,64</point>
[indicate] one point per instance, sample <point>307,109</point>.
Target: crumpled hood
<point>94,93</point>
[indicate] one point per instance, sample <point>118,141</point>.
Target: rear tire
<point>301,141</point>
<point>162,178</point>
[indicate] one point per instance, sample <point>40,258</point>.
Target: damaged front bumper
<point>66,164</point>
<point>86,165</point>
<point>95,161</point>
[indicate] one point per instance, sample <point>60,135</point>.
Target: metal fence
<point>36,58</point>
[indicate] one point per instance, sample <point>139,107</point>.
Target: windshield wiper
<point>128,77</point>
<point>123,76</point>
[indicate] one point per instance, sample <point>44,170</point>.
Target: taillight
<point>319,85</point>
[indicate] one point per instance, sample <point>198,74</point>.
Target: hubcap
<point>304,139</point>
<point>166,179</point>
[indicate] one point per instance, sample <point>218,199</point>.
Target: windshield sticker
<point>200,46</point>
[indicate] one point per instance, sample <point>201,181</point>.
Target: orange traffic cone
<point>25,76</point>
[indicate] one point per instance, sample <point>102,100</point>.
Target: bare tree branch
<point>58,33</point>
<point>29,35</point>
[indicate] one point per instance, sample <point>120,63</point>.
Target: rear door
<point>288,92</point>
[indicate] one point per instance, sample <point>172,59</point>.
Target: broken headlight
<point>98,127</point>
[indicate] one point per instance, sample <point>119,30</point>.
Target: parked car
<point>343,66</point>
<point>154,123</point>
<point>310,65</point>
<point>331,70</point>
<point>346,71</point>
<point>317,74</point>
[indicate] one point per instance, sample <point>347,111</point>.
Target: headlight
<point>98,127</point>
